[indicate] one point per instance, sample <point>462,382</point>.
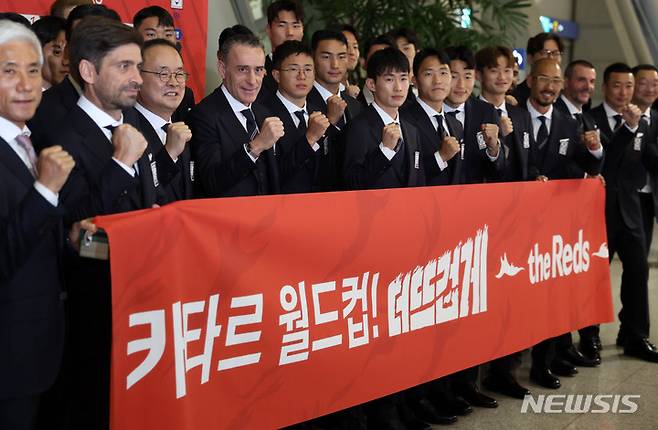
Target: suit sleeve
<point>364,161</point>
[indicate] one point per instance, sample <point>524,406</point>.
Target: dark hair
<point>229,32</point>
<point>462,53</point>
<point>287,5</point>
<point>615,68</point>
<point>426,53</point>
<point>164,17</point>
<point>641,67</point>
<point>287,49</point>
<point>57,8</point>
<point>95,37</point>
<point>16,17</point>
<point>48,27</point>
<point>86,10</point>
<point>383,39</point>
<point>407,33</point>
<point>158,42</point>
<point>569,70</point>
<point>321,35</point>
<point>349,28</point>
<point>247,39</point>
<point>387,60</point>
<point>536,43</point>
<point>488,57</point>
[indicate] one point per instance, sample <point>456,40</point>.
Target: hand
<point>77,228</point>
<point>506,125</point>
<point>271,130</point>
<point>490,134</point>
<point>592,140</point>
<point>541,178</point>
<point>317,126</point>
<point>391,135</point>
<point>54,166</point>
<point>353,91</point>
<point>511,100</point>
<point>335,109</point>
<point>129,144</point>
<point>631,115</point>
<point>449,148</point>
<point>178,134</point>
<point>599,177</point>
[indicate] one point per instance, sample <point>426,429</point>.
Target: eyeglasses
<point>545,80</point>
<point>551,54</point>
<point>165,75</point>
<point>295,70</point>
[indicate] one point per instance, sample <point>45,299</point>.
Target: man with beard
<point>541,45</point>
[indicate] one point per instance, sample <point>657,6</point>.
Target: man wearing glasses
<point>542,45</point>
<point>233,139</point>
<point>161,93</point>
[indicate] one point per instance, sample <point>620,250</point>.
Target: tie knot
<point>542,119</point>
<point>439,118</point>
<point>453,113</point>
<point>248,114</point>
<point>166,127</point>
<point>110,128</point>
<point>500,112</point>
<point>300,114</point>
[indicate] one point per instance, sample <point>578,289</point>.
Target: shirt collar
<point>236,106</point>
<point>502,106</point>
<point>9,130</point>
<point>156,121</point>
<point>448,108</point>
<point>647,112</point>
<point>573,109</point>
<point>99,116</point>
<point>534,113</point>
<point>290,106</point>
<point>609,111</point>
<point>325,93</point>
<point>429,110</point>
<point>386,118</point>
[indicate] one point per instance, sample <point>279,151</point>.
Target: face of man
<point>157,96</point>
<point>243,72</point>
<point>295,76</point>
<point>463,80</point>
<point>54,69</point>
<point>407,48</point>
<point>545,83</point>
<point>150,29</point>
<point>618,91</point>
<point>352,50</point>
<point>646,87</point>
<point>497,79</point>
<point>580,86</point>
<point>390,89</point>
<point>116,82</point>
<point>330,58</point>
<point>20,81</point>
<point>550,50</point>
<point>433,80</point>
<point>285,26</point>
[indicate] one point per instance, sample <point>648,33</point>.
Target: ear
<point>414,82</point>
<point>276,75</point>
<point>370,83</point>
<point>88,71</point>
<point>221,68</point>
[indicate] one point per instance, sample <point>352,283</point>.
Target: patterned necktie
<point>302,121</point>
<point>618,121</point>
<point>542,134</point>
<point>26,144</point>
<point>252,129</point>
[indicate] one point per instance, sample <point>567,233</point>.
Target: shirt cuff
<point>388,152</point>
<point>492,158</point>
<point>125,167</point>
<point>597,153</point>
<point>254,159</point>
<point>632,130</point>
<point>439,161</point>
<point>52,198</point>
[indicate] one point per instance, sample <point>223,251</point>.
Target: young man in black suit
<point>378,43</point>
<point>620,125</point>
<point>155,22</point>
<point>541,45</point>
<point>285,21</point>
<point>304,147</point>
<point>159,97</point>
<point>31,293</point>
<point>233,139</point>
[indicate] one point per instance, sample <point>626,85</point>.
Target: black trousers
<point>543,353</point>
<point>648,216</point>
<point>20,413</point>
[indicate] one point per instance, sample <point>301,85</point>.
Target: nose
<point>26,82</point>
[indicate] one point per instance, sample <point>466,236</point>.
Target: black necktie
<point>542,134</point>
<point>500,112</point>
<point>166,127</point>
<point>111,128</point>
<point>302,121</point>
<point>618,120</point>
<point>439,130</point>
<point>454,114</point>
<point>252,130</point>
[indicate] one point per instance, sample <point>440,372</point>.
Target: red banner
<point>191,21</point>
<point>265,311</point>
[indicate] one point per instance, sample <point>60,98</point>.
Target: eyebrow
<point>333,53</point>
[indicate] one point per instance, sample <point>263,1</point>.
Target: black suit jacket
<point>178,186</point>
<point>588,122</point>
<point>222,166</point>
<point>650,160</point>
<point>623,168</point>
<point>366,166</point>
<point>521,165</point>
<point>477,166</point>
<point>31,309</point>
<point>56,102</point>
<point>429,142</point>
<point>184,107</point>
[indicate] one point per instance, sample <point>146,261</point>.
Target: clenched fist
<point>506,125</point>
<point>178,134</point>
<point>271,130</point>
<point>490,134</point>
<point>317,125</point>
<point>391,135</point>
<point>129,144</point>
<point>353,91</point>
<point>54,166</point>
<point>449,148</point>
<point>631,114</point>
<point>592,140</point>
<point>335,109</point>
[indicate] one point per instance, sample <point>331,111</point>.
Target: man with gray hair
<point>31,306</point>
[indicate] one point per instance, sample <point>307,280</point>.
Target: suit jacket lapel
<point>14,164</point>
<point>410,140</point>
<point>95,140</point>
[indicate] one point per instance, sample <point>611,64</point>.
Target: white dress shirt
<point>431,113</point>
<point>292,108</point>
<point>502,107</point>
<point>610,113</point>
<point>156,122</point>
<point>237,107</point>
<point>573,109</point>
